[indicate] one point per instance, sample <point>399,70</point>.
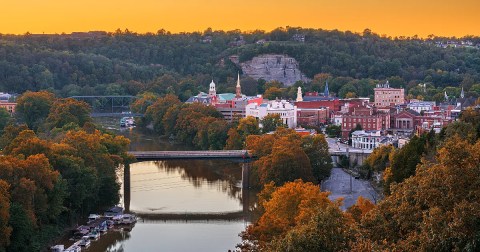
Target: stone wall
<point>274,67</point>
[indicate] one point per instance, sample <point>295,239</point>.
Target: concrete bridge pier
<point>126,187</point>
<point>246,175</point>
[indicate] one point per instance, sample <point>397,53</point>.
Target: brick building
<point>368,117</point>
<point>386,96</point>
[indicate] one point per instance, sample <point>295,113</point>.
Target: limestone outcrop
<point>274,67</point>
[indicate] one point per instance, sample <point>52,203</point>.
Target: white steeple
<point>299,94</point>
<point>212,91</point>
<point>238,80</point>
<point>462,94</point>
<point>238,88</point>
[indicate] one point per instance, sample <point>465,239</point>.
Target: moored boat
<point>85,241</point>
<point>129,219</point>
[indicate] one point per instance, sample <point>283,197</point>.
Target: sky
<point>389,17</point>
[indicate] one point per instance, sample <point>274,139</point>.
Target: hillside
<point>127,63</point>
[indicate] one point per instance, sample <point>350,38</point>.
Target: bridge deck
<point>161,155</point>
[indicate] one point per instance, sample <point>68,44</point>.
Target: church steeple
<point>238,88</point>
<point>299,94</point>
<point>212,93</point>
<point>462,94</point>
<point>326,93</point>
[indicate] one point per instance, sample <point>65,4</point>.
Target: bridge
<point>165,155</point>
<point>107,105</point>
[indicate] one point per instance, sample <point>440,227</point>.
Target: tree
<point>316,148</point>
<point>333,130</point>
<point>140,105</point>
<point>4,119</point>
<point>65,111</point>
<point>234,140</point>
<point>361,208</point>
<point>248,126</point>
<point>403,162</point>
<point>271,122</point>
<point>5,229</point>
<point>435,210</point>
<point>158,109</point>
<point>289,209</point>
<point>34,107</point>
<point>273,93</point>
<point>329,229</point>
<point>377,161</point>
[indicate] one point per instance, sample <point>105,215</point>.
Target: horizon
<point>360,33</point>
<point>393,19</point>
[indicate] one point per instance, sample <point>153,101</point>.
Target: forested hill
<point>127,63</point>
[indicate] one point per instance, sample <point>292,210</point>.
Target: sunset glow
<point>393,18</point>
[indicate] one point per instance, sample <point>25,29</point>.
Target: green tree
<point>333,130</point>
<point>158,109</point>
<point>4,119</point>
<point>316,148</point>
<point>271,122</point>
<point>34,107</point>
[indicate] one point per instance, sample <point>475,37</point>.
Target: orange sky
<point>391,17</point>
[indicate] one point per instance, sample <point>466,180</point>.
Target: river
<point>184,205</point>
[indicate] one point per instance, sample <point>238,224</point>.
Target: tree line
<point>55,168</point>
<point>125,62</point>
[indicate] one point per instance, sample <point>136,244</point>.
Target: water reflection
<point>199,201</point>
<point>185,186</point>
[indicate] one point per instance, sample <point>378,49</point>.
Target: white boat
<point>94,235</point>
<point>85,241</point>
<point>73,248</point>
<point>57,248</point>
<point>129,219</point>
<point>117,220</point>
<point>93,217</point>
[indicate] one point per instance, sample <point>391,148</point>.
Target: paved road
<point>339,186</point>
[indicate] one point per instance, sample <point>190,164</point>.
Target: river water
<point>184,205</point>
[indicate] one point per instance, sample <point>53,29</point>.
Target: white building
<point>421,106</point>
<point>369,140</point>
<point>287,111</point>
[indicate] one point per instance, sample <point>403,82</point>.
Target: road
<point>339,186</point>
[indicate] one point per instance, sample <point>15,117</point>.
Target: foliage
<point>297,217</point>
<point>4,119</point>
<point>403,162</point>
<point>377,161</point>
<point>316,148</point>
<point>285,156</point>
<point>435,210</point>
<point>271,122</point>
<point>183,64</point>
<point>34,107</point>
<point>44,182</point>
<point>156,111</point>
<point>65,111</point>
<point>333,130</point>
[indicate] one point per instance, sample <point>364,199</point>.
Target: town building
<point>369,140</point>
<point>314,112</point>
<point>286,111</point>
<point>386,96</point>
<point>420,106</point>
<point>8,106</point>
<point>369,118</point>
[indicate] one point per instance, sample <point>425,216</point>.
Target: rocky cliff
<point>274,67</point>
